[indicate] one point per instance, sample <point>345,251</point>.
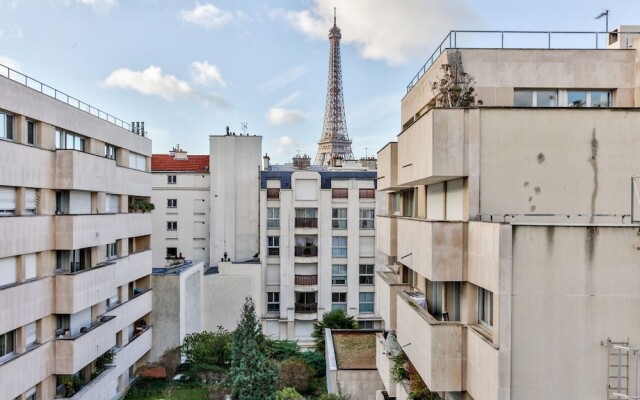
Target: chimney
<point>301,162</point>
<point>179,154</point>
<point>265,162</point>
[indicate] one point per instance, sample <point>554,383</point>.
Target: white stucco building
<point>180,193</point>
<point>512,248</point>
<point>75,260</point>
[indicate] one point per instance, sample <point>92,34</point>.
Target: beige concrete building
<point>511,244</point>
<point>75,263</point>
<point>180,194</point>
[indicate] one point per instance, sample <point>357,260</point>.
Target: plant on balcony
<point>402,369</point>
<point>71,384</point>
<point>141,205</point>
<point>336,319</point>
<point>454,89</point>
<point>103,362</point>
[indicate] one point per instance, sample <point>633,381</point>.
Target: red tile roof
<point>166,162</point>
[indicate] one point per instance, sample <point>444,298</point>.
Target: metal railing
<point>302,308</point>
<point>306,222</point>
<point>306,280</point>
<point>463,39</point>
<point>43,88</point>
<point>306,251</point>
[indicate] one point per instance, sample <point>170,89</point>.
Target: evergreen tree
<point>336,319</point>
<point>252,375</point>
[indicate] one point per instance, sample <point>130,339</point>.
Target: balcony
<point>102,387</point>
<point>436,346</point>
<point>24,235</point>
<point>35,166</point>
<point>133,267</point>
<point>386,235</point>
<point>306,283</point>
<point>20,306</point>
<point>388,167</point>
<point>432,249</point>
<point>433,148</point>
<point>79,231</point>
<point>75,352</point>
<point>384,364</point>
<point>132,310</point>
<point>306,308</point>
<point>306,222</point>
<point>78,290</point>
<point>26,370</point>
<point>133,351</point>
<point>387,286</point>
<point>306,251</point>
<point>76,170</point>
<point>482,378</point>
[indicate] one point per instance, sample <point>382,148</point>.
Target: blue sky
<point>188,69</point>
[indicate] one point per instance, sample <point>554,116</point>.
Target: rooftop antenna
<point>605,14</point>
<point>334,16</point>
<point>243,126</point>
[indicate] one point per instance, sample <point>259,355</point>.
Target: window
<point>561,98</point>
<point>172,203</point>
<point>7,200</point>
<point>273,193</point>
<point>366,302</point>
<point>365,324</point>
<point>137,161</point>
<point>395,203</point>
<point>367,193</point>
<point>600,99</point>
<point>535,98</point>
<point>31,132</point>
<point>172,225</point>
<point>339,193</point>
<point>8,271</point>
<point>306,218</point>
<point>73,260</point>
<point>113,300</point>
<point>407,203</point>
<point>6,126</point>
<point>172,252</point>
<point>583,98</point>
<point>172,179</point>
<point>30,333</point>
<point>485,307</point>
<point>273,302</point>
<point>112,250</point>
<point>273,217</point>
<point>339,301</point>
<point>338,274</point>
<point>273,245</point>
<point>339,246</point>
<point>30,201</point>
<point>69,140</point>
<point>306,302</point>
<point>31,394</point>
<point>113,202</point>
<point>30,266</point>
<point>7,344</point>
<point>339,218</point>
<point>367,218</point>
<point>110,151</point>
<point>366,274</point>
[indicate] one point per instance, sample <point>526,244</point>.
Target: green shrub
<point>288,393</point>
<point>316,361</point>
<point>282,349</point>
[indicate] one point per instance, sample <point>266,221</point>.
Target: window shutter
<point>30,200</point>
<point>367,246</point>
<point>112,203</point>
<point>7,200</point>
<point>31,333</point>
<point>80,202</point>
<point>7,271</point>
<point>30,270</point>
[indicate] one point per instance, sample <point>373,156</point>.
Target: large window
<point>306,218</point>
<point>273,245</point>
<point>367,218</point>
<point>69,140</point>
<point>366,302</point>
<point>112,250</point>
<point>485,307</point>
<point>73,260</point>
<point>561,98</point>
<point>339,301</point>
<point>7,344</point>
<point>31,132</point>
<point>395,203</point>
<point>339,218</point>
<point>113,203</point>
<point>172,225</point>
<point>110,151</point>
<point>273,217</point>
<point>585,98</point>
<point>6,126</point>
<point>7,201</point>
<point>366,274</point>
<point>339,193</point>
<point>273,301</point>
<point>137,161</point>
<point>367,193</point>
<point>339,246</point>
<point>407,203</point>
<point>535,98</point>
<point>8,271</point>
<point>339,274</point>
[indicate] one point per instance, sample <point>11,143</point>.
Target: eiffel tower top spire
<point>334,141</point>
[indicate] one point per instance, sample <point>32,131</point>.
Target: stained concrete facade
<point>514,225</point>
<point>75,262</point>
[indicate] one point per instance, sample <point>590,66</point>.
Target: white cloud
<point>285,145</point>
<point>209,16</point>
<point>284,78</point>
<point>10,31</point>
<point>288,99</point>
<point>153,82</point>
<point>284,116</point>
<point>409,27</point>
<point>205,74</point>
<point>97,5</point>
<point>9,62</point>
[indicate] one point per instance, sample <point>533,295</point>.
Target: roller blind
<point>7,200</point>
<point>30,201</point>
<point>31,334</point>
<point>30,268</point>
<point>367,246</point>
<point>112,203</point>
<point>7,271</point>
<point>136,161</point>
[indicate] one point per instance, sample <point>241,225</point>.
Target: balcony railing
<point>306,308</point>
<point>306,251</point>
<point>306,279</point>
<point>306,222</point>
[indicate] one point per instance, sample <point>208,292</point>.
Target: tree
<point>252,375</point>
<point>282,349</point>
<point>295,373</point>
<point>454,89</point>
<point>208,348</point>
<point>288,393</point>
<point>336,319</point>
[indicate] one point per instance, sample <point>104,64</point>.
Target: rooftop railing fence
<point>43,88</point>
<point>520,40</point>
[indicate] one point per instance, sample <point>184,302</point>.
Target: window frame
<point>339,193</point>
<point>172,226</point>
<point>366,302</point>
<point>7,121</point>
<point>273,245</point>
<point>172,203</point>
<point>273,302</point>
<point>337,249</point>
<point>485,306</point>
<point>369,277</point>
<point>8,345</point>
<point>338,221</point>
<point>110,152</point>
<point>339,301</point>
<point>273,217</point>
<point>78,142</point>
<point>367,223</point>
<point>168,252</point>
<point>112,250</point>
<point>336,274</point>
<point>172,179</point>
<point>31,134</point>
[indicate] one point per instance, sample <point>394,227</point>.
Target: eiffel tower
<point>335,140</point>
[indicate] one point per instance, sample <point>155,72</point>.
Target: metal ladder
<point>618,357</point>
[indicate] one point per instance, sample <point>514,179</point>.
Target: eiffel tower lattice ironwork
<point>335,139</point>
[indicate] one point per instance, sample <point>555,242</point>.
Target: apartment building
<point>511,229</point>
<point>317,245</point>
<point>75,264</point>
<point>180,194</point>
